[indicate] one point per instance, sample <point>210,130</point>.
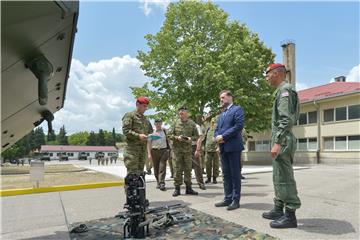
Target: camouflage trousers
<point>134,158</point>
<point>286,194</point>
<point>212,164</point>
<point>197,166</point>
<point>182,163</point>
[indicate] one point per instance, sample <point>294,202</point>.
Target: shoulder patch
<point>285,94</point>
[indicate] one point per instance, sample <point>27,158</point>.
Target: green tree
<point>113,137</point>
<point>11,153</point>
<point>39,138</point>
<point>51,137</point>
<point>197,53</point>
<point>101,138</point>
<point>79,138</point>
<point>62,138</point>
<point>92,139</point>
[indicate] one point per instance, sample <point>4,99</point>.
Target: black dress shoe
<point>222,204</point>
<point>234,205</point>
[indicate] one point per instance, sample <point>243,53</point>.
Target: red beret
<point>143,100</point>
<point>273,66</point>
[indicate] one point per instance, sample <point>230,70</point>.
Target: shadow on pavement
<point>59,235</point>
<point>257,206</point>
<point>254,185</point>
<point>325,226</point>
<point>255,194</point>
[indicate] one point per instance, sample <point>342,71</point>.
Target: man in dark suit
<point>228,135</point>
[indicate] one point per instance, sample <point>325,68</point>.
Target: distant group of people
<point>186,144</point>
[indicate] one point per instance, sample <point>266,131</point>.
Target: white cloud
<point>98,94</point>
<point>301,86</point>
<point>354,74</point>
<point>148,5</point>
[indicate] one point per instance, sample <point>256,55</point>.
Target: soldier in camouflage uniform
<point>136,128</point>
<point>284,116</point>
<point>182,133</point>
<point>211,156</point>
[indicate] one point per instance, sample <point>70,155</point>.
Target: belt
<point>159,148</point>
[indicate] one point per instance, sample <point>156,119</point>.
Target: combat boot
<point>208,180</point>
<point>190,191</point>
<point>275,213</point>
<point>288,220</point>
<point>176,192</point>
<point>214,180</point>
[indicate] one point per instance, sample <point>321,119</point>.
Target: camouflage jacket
<point>210,144</point>
<point>134,124</point>
<point>187,129</point>
<point>285,112</point>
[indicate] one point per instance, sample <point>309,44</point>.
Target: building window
<point>266,145</point>
<point>302,144</point>
<point>87,154</point>
<point>354,142</point>
<point>312,117</point>
<point>340,114</point>
<point>312,144</point>
<point>262,146</point>
<point>329,115</point>
<point>251,146</point>
<point>57,154</point>
<point>354,112</point>
<point>305,144</point>
<point>342,143</point>
<point>302,119</point>
<point>50,154</point>
<point>329,143</point>
<point>258,146</point>
<point>70,154</point>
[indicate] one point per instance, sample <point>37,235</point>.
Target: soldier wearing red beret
<point>136,128</point>
<point>285,115</point>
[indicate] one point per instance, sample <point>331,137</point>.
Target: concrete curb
<point>14,192</point>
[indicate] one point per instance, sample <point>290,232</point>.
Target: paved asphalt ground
<point>329,195</point>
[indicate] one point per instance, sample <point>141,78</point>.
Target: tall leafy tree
<point>51,136</point>
<point>113,137</point>
<point>62,138</point>
<point>92,139</point>
<point>39,137</point>
<point>197,53</point>
<point>79,138</point>
<point>101,138</point>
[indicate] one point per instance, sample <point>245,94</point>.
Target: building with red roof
<point>76,152</point>
<point>328,130</point>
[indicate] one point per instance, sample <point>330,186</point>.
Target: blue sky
<point>326,33</point>
<point>110,34</point>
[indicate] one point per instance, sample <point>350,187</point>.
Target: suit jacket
<point>230,125</point>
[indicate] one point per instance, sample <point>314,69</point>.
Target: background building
<point>328,130</point>
<point>73,152</point>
